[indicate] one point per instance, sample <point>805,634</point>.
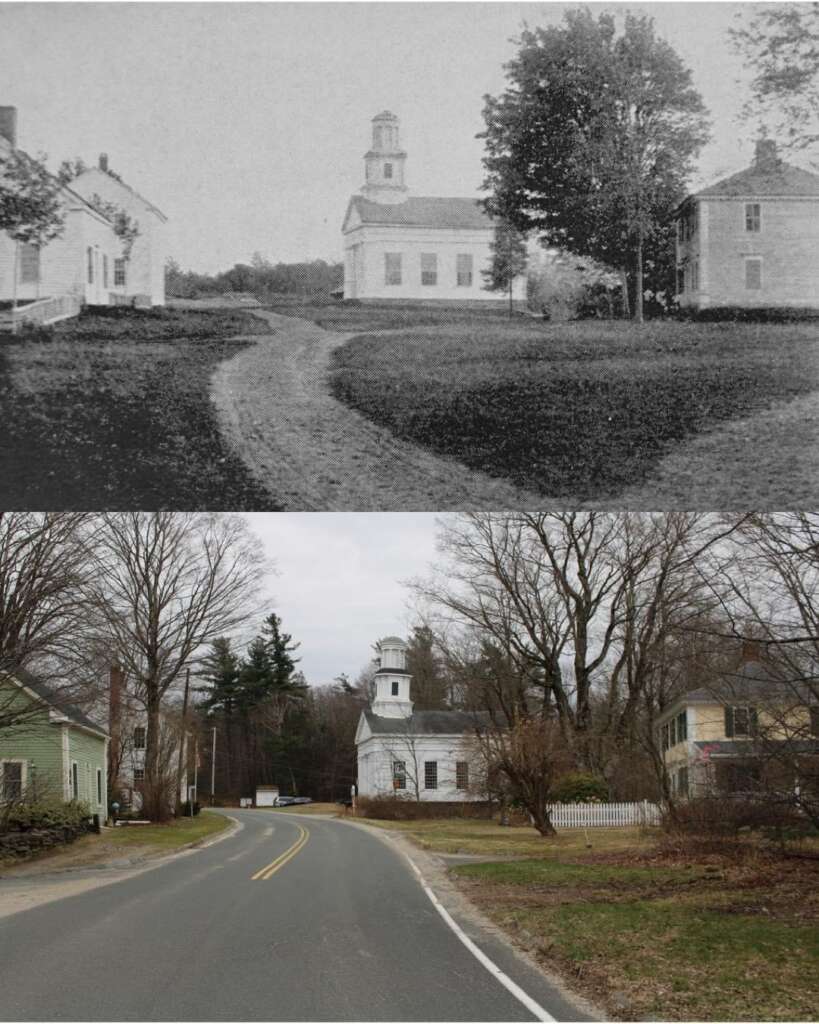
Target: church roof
<point>779,179</point>
<point>436,723</point>
<point>425,212</point>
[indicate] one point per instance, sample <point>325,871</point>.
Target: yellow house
<point>723,738</point>
<point>751,240</point>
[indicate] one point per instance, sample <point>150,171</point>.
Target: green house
<point>53,750</point>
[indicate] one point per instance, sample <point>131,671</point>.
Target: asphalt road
<point>293,918</point>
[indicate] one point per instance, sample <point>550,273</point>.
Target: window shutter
<point>729,722</point>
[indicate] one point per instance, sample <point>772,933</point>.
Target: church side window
<point>387,170</point>
<point>29,263</point>
<point>395,687</point>
<point>464,270</point>
<point>392,268</point>
<point>399,775</point>
<point>429,268</point>
<point>430,774</point>
<point>119,272</point>
<point>462,775</point>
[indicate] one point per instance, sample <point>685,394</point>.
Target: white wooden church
<point>409,248</point>
<point>423,755</point>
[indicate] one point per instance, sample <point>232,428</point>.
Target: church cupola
<point>392,681</point>
<point>384,163</point>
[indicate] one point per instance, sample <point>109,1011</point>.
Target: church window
<point>399,775</point>
<point>119,272</point>
<point>29,263</point>
<point>395,688</point>
<point>387,170</point>
<point>429,268</point>
<point>392,268</point>
<point>90,267</point>
<point>462,775</point>
<point>753,220</point>
<point>430,774</point>
<point>464,270</point>
<point>753,273</point>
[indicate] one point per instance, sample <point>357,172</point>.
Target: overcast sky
<point>247,123</point>
<point>339,578</point>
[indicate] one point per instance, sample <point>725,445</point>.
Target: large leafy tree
<point>780,42</point>
<point>30,205</point>
<point>592,141</point>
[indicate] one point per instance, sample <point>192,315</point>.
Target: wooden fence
<point>604,815</point>
<point>43,311</point>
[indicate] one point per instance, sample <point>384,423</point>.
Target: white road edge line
<point>530,1004</point>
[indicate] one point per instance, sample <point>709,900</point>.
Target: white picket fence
<point>43,311</point>
<point>604,815</point>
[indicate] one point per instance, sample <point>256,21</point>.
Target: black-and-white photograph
<point>309,256</point>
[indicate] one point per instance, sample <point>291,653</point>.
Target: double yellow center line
<point>267,872</point>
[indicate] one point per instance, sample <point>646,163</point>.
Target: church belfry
<point>384,162</point>
<point>392,681</point>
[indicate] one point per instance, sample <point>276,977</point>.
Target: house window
<point>695,276</point>
<point>11,780</point>
<point>738,776</point>
<point>430,774</point>
<point>139,737</point>
<point>682,727</point>
<point>105,270</point>
<point>392,268</point>
<point>119,273</point>
<point>752,217</point>
<point>688,223</point>
<point>395,688</point>
<point>399,775</point>
<point>682,782</point>
<point>429,268</point>
<point>99,785</point>
<point>75,781</point>
<point>740,721</point>
<point>388,171</point>
<point>139,774</point>
<point>464,269</point>
<point>462,775</point>
<point>753,273</point>
<point>29,263</point>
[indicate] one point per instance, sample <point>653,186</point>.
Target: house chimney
<point>766,155</point>
<point>104,162</point>
<point>8,124</point>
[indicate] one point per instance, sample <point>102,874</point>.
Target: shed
<point>266,796</point>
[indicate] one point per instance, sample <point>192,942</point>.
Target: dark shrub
<point>47,814</point>
<point>579,787</point>
<point>762,314</point>
<point>186,808</point>
<point>388,808</point>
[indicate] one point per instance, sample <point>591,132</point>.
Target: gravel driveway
<point>314,454</point>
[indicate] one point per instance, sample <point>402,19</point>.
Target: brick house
<point>751,240</point>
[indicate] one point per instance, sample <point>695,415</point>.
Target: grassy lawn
<point>647,932</point>
<point>179,832</point>
<point>576,411</point>
<point>111,410</point>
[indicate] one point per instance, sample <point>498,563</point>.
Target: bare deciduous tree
<point>168,583</point>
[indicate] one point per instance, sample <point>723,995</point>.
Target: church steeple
<point>384,163</point>
<point>392,681</point>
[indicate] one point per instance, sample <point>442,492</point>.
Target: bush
<point>396,808</point>
<point>185,811</point>
<point>579,788</point>
<point>47,814</point>
<point>761,314</point>
<point>719,822</point>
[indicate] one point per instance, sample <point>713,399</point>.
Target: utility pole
<point>195,770</point>
<point>183,743</point>
<point>213,768</point>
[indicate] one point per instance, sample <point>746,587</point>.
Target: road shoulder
<point>546,987</point>
<point>20,890</point>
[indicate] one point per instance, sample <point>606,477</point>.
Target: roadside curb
<point>432,873</point>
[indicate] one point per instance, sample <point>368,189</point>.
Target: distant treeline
<point>314,280</point>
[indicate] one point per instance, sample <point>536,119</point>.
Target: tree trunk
<point>638,291</point>
<point>182,743</point>
<point>153,804</point>
<point>624,287</point>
